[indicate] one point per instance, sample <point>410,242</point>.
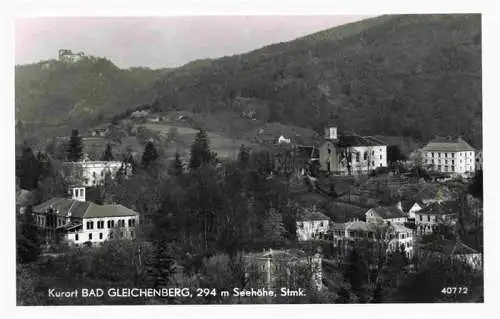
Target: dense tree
<point>28,169</point>
<point>150,154</point>
<point>394,154</point>
<point>108,154</point>
<point>244,156</point>
<point>28,239</point>
<point>356,274</point>
<point>176,167</point>
<point>476,187</point>
<point>200,151</point>
<point>75,147</point>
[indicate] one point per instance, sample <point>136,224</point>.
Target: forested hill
<point>56,92</point>
<point>410,75</point>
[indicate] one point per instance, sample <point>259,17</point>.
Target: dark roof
<point>375,140</point>
<point>355,140</point>
<point>308,214</point>
<point>406,205</point>
<point>441,208</point>
<point>447,144</point>
<point>450,247</point>
<point>80,209</point>
<point>389,212</point>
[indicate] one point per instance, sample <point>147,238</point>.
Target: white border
<point>491,53</point>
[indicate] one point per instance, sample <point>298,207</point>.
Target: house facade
<point>351,154</point>
<point>386,215</point>
<point>311,224</point>
<point>453,250</point>
<point>393,237</point>
<point>93,173</point>
<point>277,268</point>
<point>451,156</point>
<point>77,222</point>
<point>432,216</point>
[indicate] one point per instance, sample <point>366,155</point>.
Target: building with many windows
<point>448,155</point>
<point>93,173</point>
<point>76,221</point>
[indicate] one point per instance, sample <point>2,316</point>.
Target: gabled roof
<point>448,145</point>
<point>450,248</point>
<point>375,140</point>
<point>355,140</point>
<point>360,225</point>
<point>441,208</point>
<point>70,207</point>
<point>406,205</point>
<point>389,212</point>
<point>308,214</point>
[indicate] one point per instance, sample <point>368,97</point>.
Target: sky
<point>158,42</point>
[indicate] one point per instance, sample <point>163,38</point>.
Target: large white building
<point>76,221</point>
<point>393,236</point>
<point>351,154</point>
<point>92,173</point>
<point>448,155</point>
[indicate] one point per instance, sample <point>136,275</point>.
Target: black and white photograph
<point>249,159</point>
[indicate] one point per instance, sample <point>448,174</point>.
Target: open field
<point>224,146</point>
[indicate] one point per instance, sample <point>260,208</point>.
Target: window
<point>428,218</point>
<point>365,156</point>
<point>100,224</point>
<point>93,175</point>
<point>100,235</point>
<point>432,154</point>
<point>76,237</point>
<point>111,223</point>
<point>420,217</point>
<point>329,151</point>
<point>381,156</point>
<point>357,156</point>
<point>121,234</point>
<point>90,236</point>
<point>321,224</point>
<point>373,163</point>
<point>90,225</point>
<point>111,235</point>
<point>132,234</point>
<point>373,153</point>
<point>102,173</point>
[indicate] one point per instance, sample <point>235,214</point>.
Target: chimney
<point>78,193</point>
<point>331,133</point>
